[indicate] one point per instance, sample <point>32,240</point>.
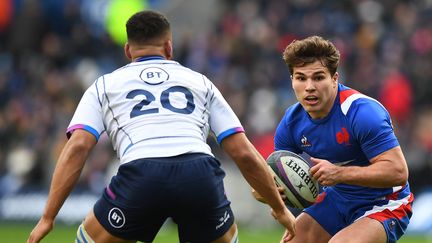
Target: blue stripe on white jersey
<point>89,129</point>
<point>228,133</point>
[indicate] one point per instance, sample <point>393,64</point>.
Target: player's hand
<point>323,171</point>
<point>258,196</point>
<point>286,237</point>
<point>43,227</point>
<point>287,219</point>
<point>281,191</point>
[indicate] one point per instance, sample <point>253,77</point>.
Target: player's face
<point>315,88</point>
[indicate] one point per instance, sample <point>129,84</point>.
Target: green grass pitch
<point>18,233</point>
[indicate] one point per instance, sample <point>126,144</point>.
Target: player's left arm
<point>372,129</point>
<point>387,169</point>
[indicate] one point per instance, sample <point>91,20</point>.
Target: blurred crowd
<point>52,50</point>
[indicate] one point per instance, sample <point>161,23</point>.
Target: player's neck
<point>138,51</point>
<point>147,53</point>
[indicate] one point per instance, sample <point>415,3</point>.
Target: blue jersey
<point>357,129</point>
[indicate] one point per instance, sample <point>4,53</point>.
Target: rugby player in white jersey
<point>158,115</point>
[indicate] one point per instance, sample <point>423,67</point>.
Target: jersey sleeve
<point>88,114</point>
<point>372,127</point>
<point>223,121</point>
<point>283,139</point>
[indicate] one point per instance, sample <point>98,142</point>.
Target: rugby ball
<point>292,173</point>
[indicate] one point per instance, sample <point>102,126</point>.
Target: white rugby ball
<point>292,173</point>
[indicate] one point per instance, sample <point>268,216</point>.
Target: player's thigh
<point>205,226</point>
<point>98,233</point>
<point>230,236</point>
<point>202,210</point>
<point>309,230</point>
<point>363,230</point>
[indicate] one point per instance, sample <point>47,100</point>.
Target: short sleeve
<point>223,121</point>
<point>372,127</point>
<point>283,139</point>
<point>88,114</point>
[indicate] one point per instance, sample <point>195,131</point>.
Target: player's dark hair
<point>146,26</point>
<point>309,50</point>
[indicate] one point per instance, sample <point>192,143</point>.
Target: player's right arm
<point>66,175</point>
<point>254,168</point>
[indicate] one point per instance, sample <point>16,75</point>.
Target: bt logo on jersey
<point>154,75</point>
<point>343,136</point>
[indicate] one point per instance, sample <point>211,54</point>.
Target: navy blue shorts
<point>187,188</point>
<point>335,211</point>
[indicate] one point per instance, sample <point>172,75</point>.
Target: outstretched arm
<point>253,167</point>
<point>66,174</point>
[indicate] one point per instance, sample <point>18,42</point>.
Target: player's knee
<point>231,236</point>
<point>234,238</point>
<point>82,236</point>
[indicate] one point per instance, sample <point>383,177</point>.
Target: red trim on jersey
<point>400,212</point>
<point>344,94</point>
<point>393,196</point>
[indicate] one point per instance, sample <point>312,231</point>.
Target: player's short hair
<point>146,26</point>
<point>309,50</point>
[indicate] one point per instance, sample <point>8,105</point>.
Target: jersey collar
<point>147,58</point>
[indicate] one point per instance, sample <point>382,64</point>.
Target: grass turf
<point>18,233</point>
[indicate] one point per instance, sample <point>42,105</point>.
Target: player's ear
<point>127,51</point>
<point>168,49</point>
<point>335,78</point>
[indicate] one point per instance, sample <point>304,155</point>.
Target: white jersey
<point>155,108</point>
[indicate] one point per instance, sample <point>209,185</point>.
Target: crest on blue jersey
<point>305,142</point>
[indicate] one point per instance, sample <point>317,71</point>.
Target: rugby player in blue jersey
<point>355,154</point>
<point>354,151</point>
<point>158,115</point>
